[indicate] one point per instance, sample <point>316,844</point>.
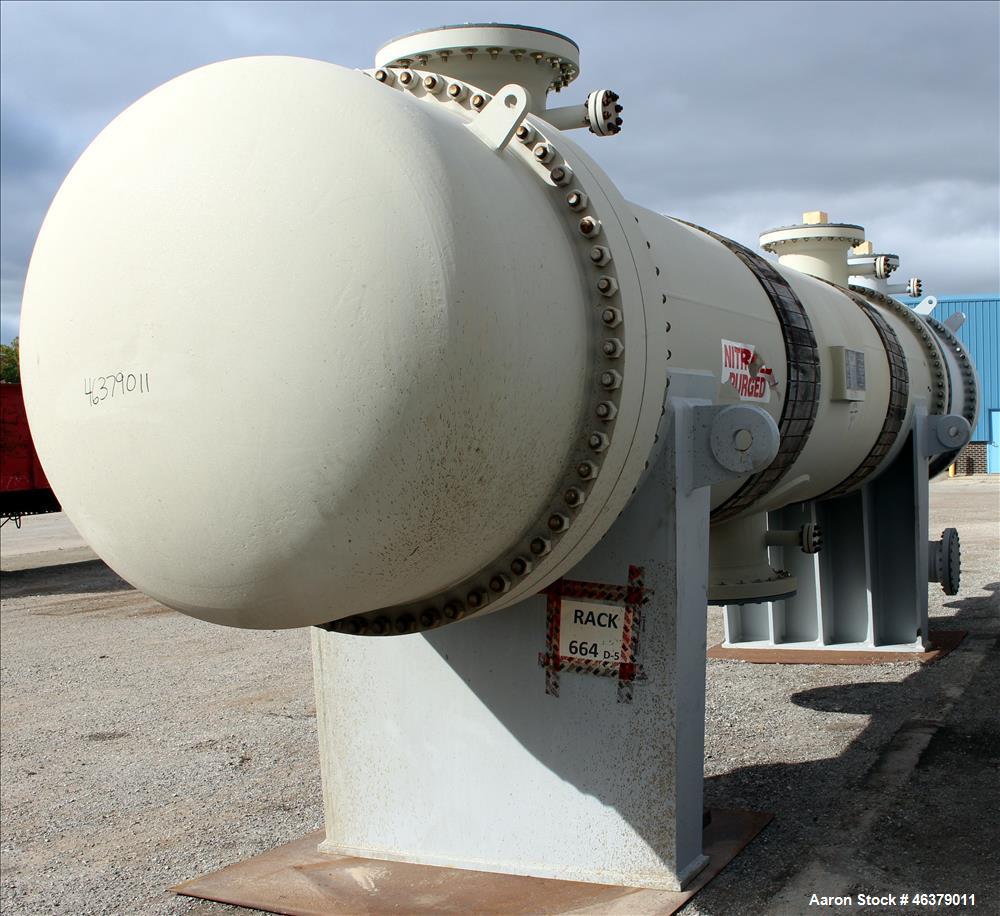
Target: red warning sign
<point>744,370</point>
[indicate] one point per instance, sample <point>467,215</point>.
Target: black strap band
<point>798,413</point>
<point>899,389</point>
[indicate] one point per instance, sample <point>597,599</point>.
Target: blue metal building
<point>981,336</point>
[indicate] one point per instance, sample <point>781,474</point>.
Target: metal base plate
<point>299,880</point>
<point>941,643</point>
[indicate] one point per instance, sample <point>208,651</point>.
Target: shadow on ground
<point>68,579</point>
<point>910,804</point>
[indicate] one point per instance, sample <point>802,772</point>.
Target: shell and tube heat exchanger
<point>385,353</point>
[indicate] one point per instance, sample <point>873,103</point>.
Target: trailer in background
<point>24,489</point>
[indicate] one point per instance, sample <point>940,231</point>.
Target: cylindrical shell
<point>299,346</point>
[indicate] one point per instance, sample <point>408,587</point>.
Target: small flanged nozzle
<point>604,113</point>
<point>811,538</point>
<point>945,561</point>
<point>915,287</point>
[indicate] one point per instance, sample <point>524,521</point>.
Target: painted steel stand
<point>471,746</point>
<point>867,589</point>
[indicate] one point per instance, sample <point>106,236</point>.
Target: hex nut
<point>558,522</point>
<point>519,566</point>
<point>540,546</point>
<point>600,255</point>
<point>544,152</point>
<point>607,286</point>
<point>612,348</point>
<point>429,618</point>
<point>611,379</point>
<point>454,611</point>
<point>611,317</point>
<point>561,175</point>
<point>606,410</point>
<point>598,441</point>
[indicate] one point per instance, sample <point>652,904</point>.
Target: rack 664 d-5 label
<point>590,630</point>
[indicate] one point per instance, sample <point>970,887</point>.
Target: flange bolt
<point>540,546</point>
<point>430,618</point>
<point>612,348</point>
<point>544,152</point>
<point>598,441</point>
<point>600,255</point>
<point>561,175</point>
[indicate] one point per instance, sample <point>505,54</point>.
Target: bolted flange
<point>944,560</point>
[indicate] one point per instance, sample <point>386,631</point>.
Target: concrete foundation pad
<point>298,880</point>
<point>941,643</point>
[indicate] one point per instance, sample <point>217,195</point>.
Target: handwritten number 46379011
<point>111,386</point>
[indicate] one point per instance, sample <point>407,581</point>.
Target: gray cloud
<point>738,115</point>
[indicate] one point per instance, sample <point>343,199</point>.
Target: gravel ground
<point>141,748</point>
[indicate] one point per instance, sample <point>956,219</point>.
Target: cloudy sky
<point>739,116</point>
